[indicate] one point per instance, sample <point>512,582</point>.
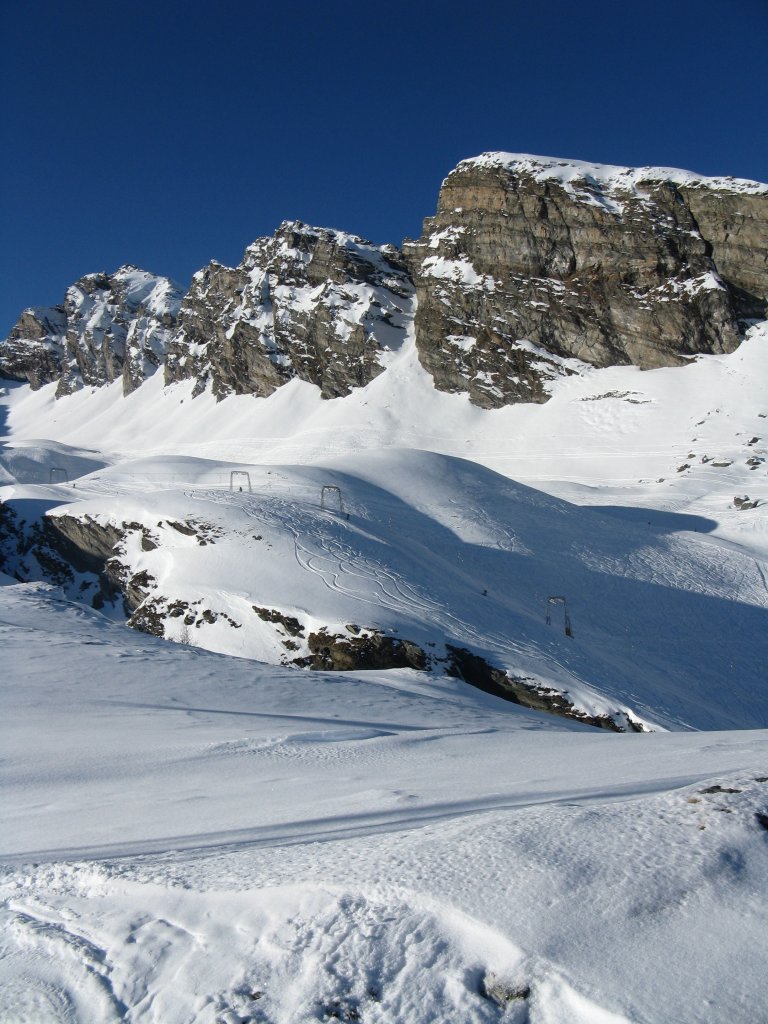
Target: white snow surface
<point>611,176</point>
<point>189,836</point>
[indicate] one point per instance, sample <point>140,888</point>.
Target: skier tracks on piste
<point>335,562</point>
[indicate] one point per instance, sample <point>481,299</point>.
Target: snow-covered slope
<point>664,576</point>
<point>188,836</point>
<point>437,551</point>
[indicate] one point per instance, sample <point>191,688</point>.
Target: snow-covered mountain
<point>527,263</point>
<point>109,326</point>
<point>404,537</point>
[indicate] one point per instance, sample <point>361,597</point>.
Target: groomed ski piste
<point>195,829</point>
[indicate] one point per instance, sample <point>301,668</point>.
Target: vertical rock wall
<point>529,258</point>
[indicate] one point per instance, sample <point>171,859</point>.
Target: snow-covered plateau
<point>196,828</point>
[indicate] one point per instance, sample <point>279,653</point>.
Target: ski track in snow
<point>320,551</point>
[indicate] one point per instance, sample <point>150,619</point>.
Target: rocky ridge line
<point>530,268</point>
<point>308,302</point>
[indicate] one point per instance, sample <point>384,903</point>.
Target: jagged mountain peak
<point>303,242</point>
<point>132,287</point>
<point>530,266</point>
<point>109,326</point>
<point>307,302</point>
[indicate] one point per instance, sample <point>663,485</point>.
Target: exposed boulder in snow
<point>606,264</point>
<point>95,541</point>
<point>308,302</point>
<point>368,650</point>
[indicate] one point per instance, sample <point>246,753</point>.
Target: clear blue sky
<point>168,134</point>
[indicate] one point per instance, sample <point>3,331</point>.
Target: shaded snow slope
<point>436,551</point>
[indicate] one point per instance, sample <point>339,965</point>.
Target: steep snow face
<point>321,305</point>
<point>110,327</point>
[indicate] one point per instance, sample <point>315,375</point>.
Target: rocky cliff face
<point>529,268</point>
<point>311,303</point>
<point>529,259</point>
<point>733,218</point>
<point>33,350</point>
<point>109,326</point>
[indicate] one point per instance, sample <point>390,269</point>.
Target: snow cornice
<point>609,176</point>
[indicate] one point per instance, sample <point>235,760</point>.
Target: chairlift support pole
<point>566,617</point>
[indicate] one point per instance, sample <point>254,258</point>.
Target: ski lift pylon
<point>558,599</point>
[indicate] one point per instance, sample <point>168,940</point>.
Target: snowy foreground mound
<point>189,836</point>
<point>196,838</point>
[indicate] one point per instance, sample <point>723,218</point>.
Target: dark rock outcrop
<point>94,542</point>
<point>369,650</point>
<point>308,302</point>
<point>34,549</point>
<point>100,547</point>
<point>476,671</point>
<point>29,549</point>
<point>33,350</point>
<point>733,219</point>
<point>289,623</point>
